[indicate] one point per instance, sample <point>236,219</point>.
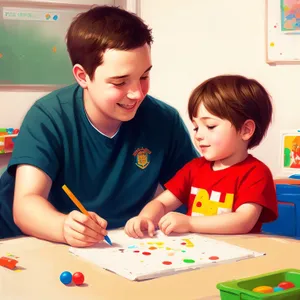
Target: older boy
<point>103,137</point>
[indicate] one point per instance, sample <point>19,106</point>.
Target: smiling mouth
<point>127,106</point>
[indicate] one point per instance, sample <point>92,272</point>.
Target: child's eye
<point>195,129</point>
<point>118,84</point>
<point>210,127</point>
<point>144,77</point>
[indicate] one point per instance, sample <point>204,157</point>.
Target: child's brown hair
<point>235,98</point>
<point>104,27</point>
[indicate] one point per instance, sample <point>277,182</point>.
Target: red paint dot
<point>214,258</point>
<point>183,243</point>
<point>136,251</point>
<point>199,204</point>
<point>167,262</point>
<point>275,26</point>
<point>146,253</point>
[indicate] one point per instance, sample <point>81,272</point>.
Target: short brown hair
<point>235,98</point>
<point>101,28</point>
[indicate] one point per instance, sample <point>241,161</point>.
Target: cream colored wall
<point>196,39</point>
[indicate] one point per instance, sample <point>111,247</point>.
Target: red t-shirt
<point>208,192</point>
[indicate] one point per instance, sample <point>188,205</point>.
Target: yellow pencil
<point>80,207</point>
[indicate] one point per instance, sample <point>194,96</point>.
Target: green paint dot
<point>188,261</point>
<point>183,251</point>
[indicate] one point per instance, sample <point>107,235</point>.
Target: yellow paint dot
<point>150,243</point>
<point>54,49</point>
<point>168,248</point>
<point>272,44</point>
<point>159,243</point>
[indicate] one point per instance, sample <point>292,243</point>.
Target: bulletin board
<point>282,31</point>
<point>32,43</point>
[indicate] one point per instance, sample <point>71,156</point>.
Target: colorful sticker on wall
<point>7,139</point>
<point>290,15</point>
<point>291,151</point>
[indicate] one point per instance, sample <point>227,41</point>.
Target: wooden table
<point>41,263</point>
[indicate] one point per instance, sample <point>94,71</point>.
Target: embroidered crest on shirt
<point>142,157</point>
<point>215,203</point>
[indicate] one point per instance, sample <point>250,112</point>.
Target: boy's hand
<point>135,226</point>
<point>174,222</point>
<point>82,231</point>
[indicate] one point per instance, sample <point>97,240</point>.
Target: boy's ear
<point>80,75</point>
<point>247,130</point>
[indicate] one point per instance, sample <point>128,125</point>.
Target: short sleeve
<point>180,150</point>
<point>180,184</point>
<point>258,187</point>
<point>38,143</point>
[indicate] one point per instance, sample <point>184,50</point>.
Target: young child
<point>97,136</point>
<point>227,190</point>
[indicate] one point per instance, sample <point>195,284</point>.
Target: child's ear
<point>247,130</point>
<point>80,75</point>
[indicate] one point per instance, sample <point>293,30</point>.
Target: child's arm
<point>150,215</point>
<point>239,222</point>
<point>160,206</point>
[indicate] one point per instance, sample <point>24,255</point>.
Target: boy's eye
<point>210,127</point>
<point>144,77</point>
<point>118,84</point>
<point>195,129</point>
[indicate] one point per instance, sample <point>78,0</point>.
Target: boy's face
<point>217,139</point>
<point>119,86</point>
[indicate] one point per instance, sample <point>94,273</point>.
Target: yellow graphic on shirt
<point>210,205</point>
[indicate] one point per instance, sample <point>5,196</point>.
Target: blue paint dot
<point>65,277</point>
<point>55,17</point>
<point>132,246</point>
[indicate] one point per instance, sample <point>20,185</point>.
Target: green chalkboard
<point>32,45</point>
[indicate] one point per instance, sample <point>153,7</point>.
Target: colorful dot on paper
<point>131,246</point>
<point>47,16</point>
<point>152,248</point>
<point>168,248</point>
<point>272,44</point>
<point>214,258</point>
<point>188,261</point>
<point>159,243</point>
<point>183,243</point>
<point>171,253</point>
<point>55,17</point>
<point>146,253</point>
<point>167,262</point>
<point>150,243</point>
<point>183,251</point>
<point>136,251</point>
<point>1,55</point>
<point>54,49</point>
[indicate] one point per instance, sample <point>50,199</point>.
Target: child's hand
<point>135,225</point>
<point>174,222</point>
<point>82,231</point>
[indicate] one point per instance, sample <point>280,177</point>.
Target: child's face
<point>120,84</point>
<point>216,139</point>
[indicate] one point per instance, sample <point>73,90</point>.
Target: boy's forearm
<point>229,223</point>
<point>40,219</point>
<point>154,210</point>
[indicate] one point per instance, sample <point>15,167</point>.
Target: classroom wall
<point>196,39</point>
<point>15,103</point>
